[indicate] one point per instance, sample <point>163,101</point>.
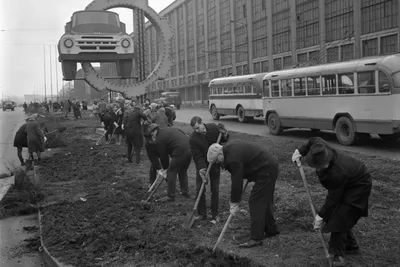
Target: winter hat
<point>319,156</point>
<point>213,151</point>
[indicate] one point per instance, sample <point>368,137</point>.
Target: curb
<point>5,185</point>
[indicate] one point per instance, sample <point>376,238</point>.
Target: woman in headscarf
<point>115,127</point>
<point>35,136</point>
<point>20,141</point>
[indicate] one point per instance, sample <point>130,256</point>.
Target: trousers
<point>178,166</point>
<point>261,208</point>
<point>214,188</point>
<point>136,149</point>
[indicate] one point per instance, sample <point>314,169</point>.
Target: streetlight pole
<point>51,77</point>
<point>55,49</point>
<point>247,40</point>
<point>44,60</point>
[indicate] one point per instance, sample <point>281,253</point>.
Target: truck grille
<point>103,43</point>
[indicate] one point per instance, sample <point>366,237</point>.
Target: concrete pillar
<point>205,14</point>
<point>249,30</point>
<point>293,30</point>
<point>185,41</point>
<point>233,40</point>
<point>357,28</point>
<point>176,59</point>
<point>219,55</point>
<point>269,31</point>
<point>195,34</point>
<point>322,35</point>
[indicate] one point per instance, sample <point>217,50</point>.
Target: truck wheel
<point>69,70</point>
<point>241,115</point>
<point>345,131</point>
<point>124,67</point>
<point>214,113</point>
<point>274,124</point>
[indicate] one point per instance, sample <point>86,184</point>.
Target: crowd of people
<point>170,152</point>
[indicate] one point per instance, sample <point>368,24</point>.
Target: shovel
<point>60,129</point>
<point>228,221</point>
<point>320,235</point>
<point>146,203</point>
<point>191,217</point>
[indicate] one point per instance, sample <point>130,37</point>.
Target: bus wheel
<point>274,124</point>
<point>241,115</point>
<point>214,113</point>
<point>389,137</point>
<point>345,131</point>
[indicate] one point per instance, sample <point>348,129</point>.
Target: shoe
<point>352,249</point>
<point>241,236</point>
<point>271,232</point>
<point>165,199</point>
<point>251,243</point>
<point>338,261</point>
<point>215,220</point>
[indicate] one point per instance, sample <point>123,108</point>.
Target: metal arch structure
<point>164,63</point>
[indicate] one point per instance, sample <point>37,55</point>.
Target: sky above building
<point>29,33</point>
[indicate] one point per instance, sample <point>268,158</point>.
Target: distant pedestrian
<point>35,137</point>
<point>21,141</point>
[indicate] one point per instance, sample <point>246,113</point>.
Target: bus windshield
<point>95,21</point>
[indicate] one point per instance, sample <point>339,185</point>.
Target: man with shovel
<point>172,142</point>
<point>247,160</point>
<point>203,136</point>
<point>349,186</point>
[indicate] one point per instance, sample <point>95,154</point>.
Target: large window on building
<point>332,54</point>
<point>281,36</point>
<point>181,62</point>
<point>200,21</point>
<point>307,23</point>
<point>377,15</point>
<point>189,23</point>
<point>191,66</point>
<point>201,56</point>
<point>389,44</point>
<point>212,18</point>
<point>347,52</point>
<point>260,39</point>
<point>278,63</point>
<point>339,22</point>
<point>226,42</point>
<point>212,53</point>
<point>370,47</point>
<point>241,52</point>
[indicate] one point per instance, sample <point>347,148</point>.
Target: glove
<point>162,173</point>
<point>122,126</point>
<point>233,208</point>
<point>296,157</point>
<point>116,124</point>
<point>318,222</point>
<point>222,129</point>
<point>203,175</point>
<point>44,139</point>
<point>102,124</point>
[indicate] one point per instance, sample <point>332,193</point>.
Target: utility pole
<point>44,60</point>
<point>55,50</point>
<point>51,78</point>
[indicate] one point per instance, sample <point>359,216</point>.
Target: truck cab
<point>95,36</point>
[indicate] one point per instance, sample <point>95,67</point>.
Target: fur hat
<point>319,156</point>
<point>213,151</point>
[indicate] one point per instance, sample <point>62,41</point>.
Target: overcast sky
<point>25,26</point>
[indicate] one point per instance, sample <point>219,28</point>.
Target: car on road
<point>95,36</point>
<point>8,105</point>
<point>170,98</point>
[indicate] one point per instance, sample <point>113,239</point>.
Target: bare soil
<point>92,215</point>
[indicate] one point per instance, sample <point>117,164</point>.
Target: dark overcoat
<point>35,136</point>
<point>21,138</point>
<point>133,128</point>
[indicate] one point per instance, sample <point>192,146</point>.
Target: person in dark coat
<point>172,142</point>
<point>132,127</point>
<point>21,141</point>
<point>203,136</point>
<point>349,186</point>
<point>171,115</point>
<point>152,154</point>
<point>35,137</point>
<point>106,121</point>
<point>161,119</point>
<point>248,160</point>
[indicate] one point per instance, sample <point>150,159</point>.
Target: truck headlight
<point>125,43</point>
<point>68,43</point>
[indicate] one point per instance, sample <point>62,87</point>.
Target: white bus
<point>354,98</point>
<point>237,95</point>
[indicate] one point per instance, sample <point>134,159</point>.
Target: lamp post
<point>44,61</point>
<point>247,39</point>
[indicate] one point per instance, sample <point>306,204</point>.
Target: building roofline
<point>167,10</point>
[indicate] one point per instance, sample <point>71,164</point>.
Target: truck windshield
<point>99,22</point>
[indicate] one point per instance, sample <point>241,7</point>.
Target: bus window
<point>286,87</point>
<point>248,89</point>
<point>265,88</point>
<point>366,82</point>
<point>274,88</point>
<point>235,90</point>
<point>219,90</point>
<point>384,86</point>
<point>396,79</point>
<point>329,85</point>
<point>314,85</point>
<point>240,89</point>
<point>346,84</point>
<point>299,86</point>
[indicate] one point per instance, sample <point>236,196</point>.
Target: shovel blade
<point>189,221</point>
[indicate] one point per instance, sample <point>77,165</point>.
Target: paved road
<point>372,146</point>
<point>12,235</point>
<point>10,121</point>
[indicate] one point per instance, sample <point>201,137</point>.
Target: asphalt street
<point>371,146</point>
<point>12,235</point>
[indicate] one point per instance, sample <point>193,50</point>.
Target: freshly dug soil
<point>93,215</point>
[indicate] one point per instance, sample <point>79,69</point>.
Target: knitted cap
<point>213,151</point>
